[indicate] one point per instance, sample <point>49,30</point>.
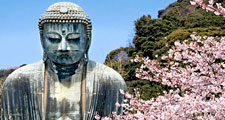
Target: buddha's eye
<point>53,37</point>
<point>73,37</point>
<point>54,40</point>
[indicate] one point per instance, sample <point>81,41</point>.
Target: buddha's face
<point>64,43</point>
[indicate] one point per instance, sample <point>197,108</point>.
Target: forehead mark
<point>63,31</point>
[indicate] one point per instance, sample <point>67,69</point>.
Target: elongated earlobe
<point>45,57</point>
<point>86,57</point>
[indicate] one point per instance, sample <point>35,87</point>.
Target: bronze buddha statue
<point>65,85</point>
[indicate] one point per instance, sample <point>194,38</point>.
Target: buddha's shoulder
<point>109,76</point>
<point>95,66</point>
<point>103,70</point>
<point>25,71</point>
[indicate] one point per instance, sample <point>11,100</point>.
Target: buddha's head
<point>65,32</point>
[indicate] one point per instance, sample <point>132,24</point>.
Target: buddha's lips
<point>64,52</point>
<point>63,55</point>
<point>68,53</point>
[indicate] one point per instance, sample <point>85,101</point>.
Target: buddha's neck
<point>64,71</point>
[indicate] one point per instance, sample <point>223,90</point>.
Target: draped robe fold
<point>23,91</point>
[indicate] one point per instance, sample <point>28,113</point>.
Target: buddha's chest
<point>64,100</point>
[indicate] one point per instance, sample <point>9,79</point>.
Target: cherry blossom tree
<point>196,71</point>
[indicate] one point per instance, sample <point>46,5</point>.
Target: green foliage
<point>130,70</point>
<point>140,25</point>
<point>184,34</point>
<point>145,27</point>
<point>115,55</point>
<point>117,59</point>
<point>149,31</point>
<point>146,88</point>
<point>204,19</point>
<point>174,17</point>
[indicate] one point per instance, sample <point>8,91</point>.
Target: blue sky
<point>112,21</point>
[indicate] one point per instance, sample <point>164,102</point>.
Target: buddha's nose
<point>63,46</point>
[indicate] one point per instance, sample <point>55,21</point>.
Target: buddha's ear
<point>88,42</point>
<point>41,36</point>
<point>42,39</point>
<point>88,39</point>
<point>45,57</point>
<point>87,46</point>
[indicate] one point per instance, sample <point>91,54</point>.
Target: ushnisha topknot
<point>66,12</point>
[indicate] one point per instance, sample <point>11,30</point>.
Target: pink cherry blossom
<point>97,117</point>
<point>218,10</point>
<point>201,82</point>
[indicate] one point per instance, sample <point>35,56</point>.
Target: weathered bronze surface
<point>65,85</point>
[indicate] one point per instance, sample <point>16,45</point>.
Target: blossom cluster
<point>217,9</point>
<point>189,64</point>
<point>196,69</point>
